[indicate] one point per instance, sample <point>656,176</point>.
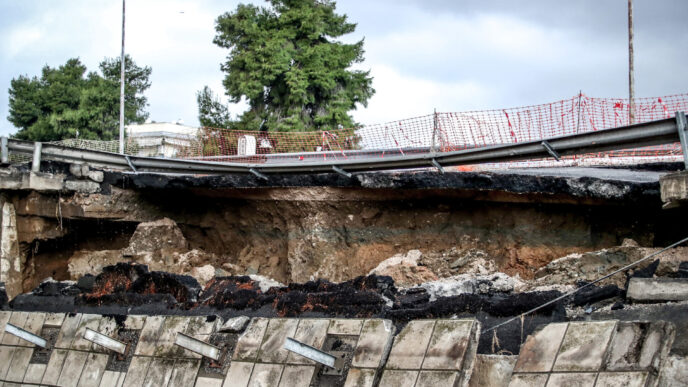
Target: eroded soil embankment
<point>308,235</point>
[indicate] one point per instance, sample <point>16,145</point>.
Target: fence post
<point>433,148</point>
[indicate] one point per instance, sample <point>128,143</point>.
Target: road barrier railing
<point>665,131</point>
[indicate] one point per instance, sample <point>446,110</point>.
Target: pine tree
<point>286,61</point>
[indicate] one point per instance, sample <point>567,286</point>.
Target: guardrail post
<point>682,127</point>
<point>4,151</point>
<point>36,163</point>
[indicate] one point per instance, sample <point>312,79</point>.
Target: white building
<point>160,139</point>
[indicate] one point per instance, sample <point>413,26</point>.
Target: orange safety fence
<point>440,132</point>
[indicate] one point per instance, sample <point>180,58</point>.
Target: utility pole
<point>121,91</point>
<point>631,78</point>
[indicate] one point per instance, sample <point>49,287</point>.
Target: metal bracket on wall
<point>131,165</point>
<point>258,174</point>
<point>25,335</point>
<point>341,171</point>
<point>437,165</point>
<point>551,151</point>
<point>682,126</point>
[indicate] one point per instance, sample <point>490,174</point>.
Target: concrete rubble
<point>407,279</point>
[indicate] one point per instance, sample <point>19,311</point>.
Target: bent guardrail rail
<point>658,132</point>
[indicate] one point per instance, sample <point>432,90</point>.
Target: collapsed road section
<point>407,253</point>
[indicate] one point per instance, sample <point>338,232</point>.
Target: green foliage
<point>211,111</point>
<point>65,102</point>
<point>287,63</point>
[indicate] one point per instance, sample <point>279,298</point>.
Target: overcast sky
<point>453,55</point>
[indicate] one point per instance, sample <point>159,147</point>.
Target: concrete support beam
<point>11,259</point>
<point>674,189</point>
<point>657,289</point>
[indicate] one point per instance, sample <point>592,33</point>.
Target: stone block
<point>184,373</point>
<point>235,324</point>
<point>73,365</point>
<point>528,380</point>
<point>398,378</point>
<point>90,321</point>
<point>134,322</point>
<point>311,332</point>
<point>19,364</point>
<point>159,372</point>
<point>540,349</point>
<point>54,320</point>
<point>82,186</point>
<point>249,342</point>
<point>621,379</point>
<point>492,370</point>
<point>657,289</point>
<point>54,367</point>
<point>584,346</point>
<point>576,379</point>
<point>149,336</point>
<point>96,176</point>
<point>674,371</point>
<point>239,374</point>
<point>436,378</point>
<point>360,378</point>
<point>345,327</point>
<point>266,375</point>
<point>4,318</point>
<point>640,346</point>
<point>75,169</point>
<point>449,344</point>
<point>136,374</point>
<point>93,370</point>
<point>45,182</point>
<point>165,346</point>
<point>68,331</point>
<point>34,373</point>
<point>297,375</point>
<point>111,379</point>
<point>208,382</point>
<point>272,351</point>
<point>674,186</point>
<point>5,359</point>
<point>408,349</point>
<point>373,343</point>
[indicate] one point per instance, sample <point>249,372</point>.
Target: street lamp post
<point>121,91</point>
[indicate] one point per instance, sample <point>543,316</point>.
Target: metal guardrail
<point>658,132</point>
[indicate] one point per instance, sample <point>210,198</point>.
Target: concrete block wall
<point>423,353</point>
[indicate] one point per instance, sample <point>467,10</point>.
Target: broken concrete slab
<point>235,324</point>
<point>451,342</point>
<point>584,346</point>
<point>249,342</point>
<point>657,289</point>
<point>528,380</point>
<point>358,377</point>
<point>373,343</point>
<point>136,374</point>
<point>622,379</point>
<point>436,378</point>
<point>297,376</point>
<point>82,186</point>
<point>311,332</point>
<point>54,367</point>
<point>398,378</point>
<point>640,346</point>
<point>93,370</point>
<point>674,371</point>
<point>239,374</point>
<point>19,365</point>
<point>408,349</point>
<point>575,379</point>
<point>71,370</point>
<point>184,373</point>
<point>272,350</point>
<point>492,370</point>
<point>342,326</point>
<point>266,375</point>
